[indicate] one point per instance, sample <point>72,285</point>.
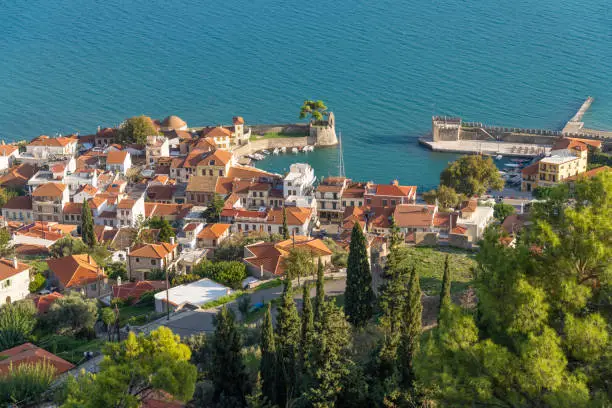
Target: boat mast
<point>340,157</point>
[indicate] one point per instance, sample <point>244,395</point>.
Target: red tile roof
<point>589,174</point>
<point>44,302</point>
<point>7,268</point>
<point>157,251</point>
<point>217,132</point>
<point>414,216</point>
<point>213,231</point>
<point>19,203</point>
<point>136,289</point>
<point>49,190</point>
<point>116,157</point>
<point>28,353</point>
<point>75,270</point>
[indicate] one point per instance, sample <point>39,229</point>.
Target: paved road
<point>192,322</point>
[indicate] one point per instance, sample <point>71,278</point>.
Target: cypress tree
<point>445,292</point>
<point>229,376</point>
<point>411,329</point>
<point>395,236</point>
<point>267,365</point>
<point>87,228</point>
<point>359,297</point>
<point>285,230</point>
<point>320,296</point>
<point>391,303</point>
<point>287,346</point>
<point>329,363</point>
<point>307,325</point>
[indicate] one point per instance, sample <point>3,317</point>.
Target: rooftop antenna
<point>340,157</point>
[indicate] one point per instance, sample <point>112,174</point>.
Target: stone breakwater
<point>271,144</point>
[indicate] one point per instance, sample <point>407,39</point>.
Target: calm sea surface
<point>383,67</point>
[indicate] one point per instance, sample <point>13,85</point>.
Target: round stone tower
<point>323,133</point>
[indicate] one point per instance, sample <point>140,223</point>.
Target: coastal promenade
<point>576,124</point>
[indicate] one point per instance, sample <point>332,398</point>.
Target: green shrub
<point>17,321</point>
<point>228,273</point>
<point>26,383</point>
<point>37,283</point>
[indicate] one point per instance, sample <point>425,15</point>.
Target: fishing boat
<point>295,150</point>
<point>498,157</point>
<point>266,152</point>
<point>283,149</point>
<point>275,151</point>
<point>512,165</point>
<point>257,156</point>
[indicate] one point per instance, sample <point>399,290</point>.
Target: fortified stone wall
<point>324,134</point>
<point>270,144</point>
<point>289,128</point>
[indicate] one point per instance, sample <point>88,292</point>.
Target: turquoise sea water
<point>383,67</point>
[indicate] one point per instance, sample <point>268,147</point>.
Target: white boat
<point>266,152</point>
<point>284,149</point>
<point>257,156</point>
<point>275,151</point>
<point>498,157</point>
<point>309,148</point>
<point>294,150</point>
<point>513,165</point>
<point>305,149</point>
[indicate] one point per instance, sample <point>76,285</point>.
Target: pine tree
<point>229,376</point>
<point>307,325</point>
<point>395,235</point>
<point>359,297</point>
<point>329,363</point>
<point>287,346</point>
<point>411,329</point>
<point>320,296</point>
<point>267,366</point>
<point>87,228</point>
<point>285,230</point>
<point>445,292</point>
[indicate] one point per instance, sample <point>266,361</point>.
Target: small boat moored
<point>275,151</point>
<point>294,150</point>
<point>284,149</point>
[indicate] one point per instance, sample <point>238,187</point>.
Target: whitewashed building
<point>14,280</point>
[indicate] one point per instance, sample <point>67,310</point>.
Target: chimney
<point>15,263</point>
<point>172,240</point>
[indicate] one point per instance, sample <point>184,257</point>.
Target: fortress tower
<point>445,129</point>
<point>323,133</point>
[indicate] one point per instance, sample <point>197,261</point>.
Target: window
<point>261,193</point>
<point>153,262</point>
<point>334,206</point>
<point>384,203</point>
<point>40,208</point>
<point>344,203</point>
<point>269,229</point>
<point>335,196</point>
<point>6,283</point>
<point>368,201</point>
<point>392,202</point>
<point>542,177</point>
<point>246,227</point>
<point>210,172</point>
<point>221,173</point>
<point>280,230</point>
<point>352,203</point>
<point>137,259</point>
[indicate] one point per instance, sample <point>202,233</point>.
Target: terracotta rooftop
<point>136,289</point>
<point>44,302</point>
<point>295,215</point>
<point>19,203</point>
<point>157,251</point>
<point>6,150</point>
<point>213,231</point>
<point>116,156</point>
<point>28,353</point>
<point>75,270</point>
<point>7,268</point>
<point>49,190</point>
<point>18,176</point>
<point>173,122</point>
<point>52,141</point>
<point>589,174</point>
<point>217,132</point>
<point>414,216</point>
<point>216,158</point>
<point>238,120</point>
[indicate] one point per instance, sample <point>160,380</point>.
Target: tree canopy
<point>315,110</point>
<point>136,130</point>
<point>71,314</point>
<point>132,369</point>
<point>165,229</point>
<point>502,210</point>
<point>359,294</point>
<point>17,321</point>
<point>472,175</point>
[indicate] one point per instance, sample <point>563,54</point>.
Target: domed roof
<point>173,122</point>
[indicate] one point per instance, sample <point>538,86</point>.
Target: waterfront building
<point>383,195</point>
<point>45,147</point>
<point>220,135</point>
<point>299,220</point>
<point>173,123</point>
<point>8,154</point>
<point>567,158</point>
<point>14,280</point>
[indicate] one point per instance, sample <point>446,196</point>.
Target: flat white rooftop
<point>195,293</point>
<point>559,157</point>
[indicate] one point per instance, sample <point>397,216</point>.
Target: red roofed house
<point>48,201</point>
<point>45,146</point>
<point>18,176</point>
<point>44,302</point>
<point>28,353</point>
<point>18,209</point>
<point>384,195</point>
<point>298,220</point>
<point>134,290</point>
<point>266,259</point>
<point>222,136</point>
<point>79,273</point>
<point>8,153</point>
<point>212,235</point>
<point>187,238</point>
<point>157,146</point>
<point>14,280</point>
<point>144,258</point>
<point>118,160</point>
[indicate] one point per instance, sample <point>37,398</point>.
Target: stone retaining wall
<point>271,144</point>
